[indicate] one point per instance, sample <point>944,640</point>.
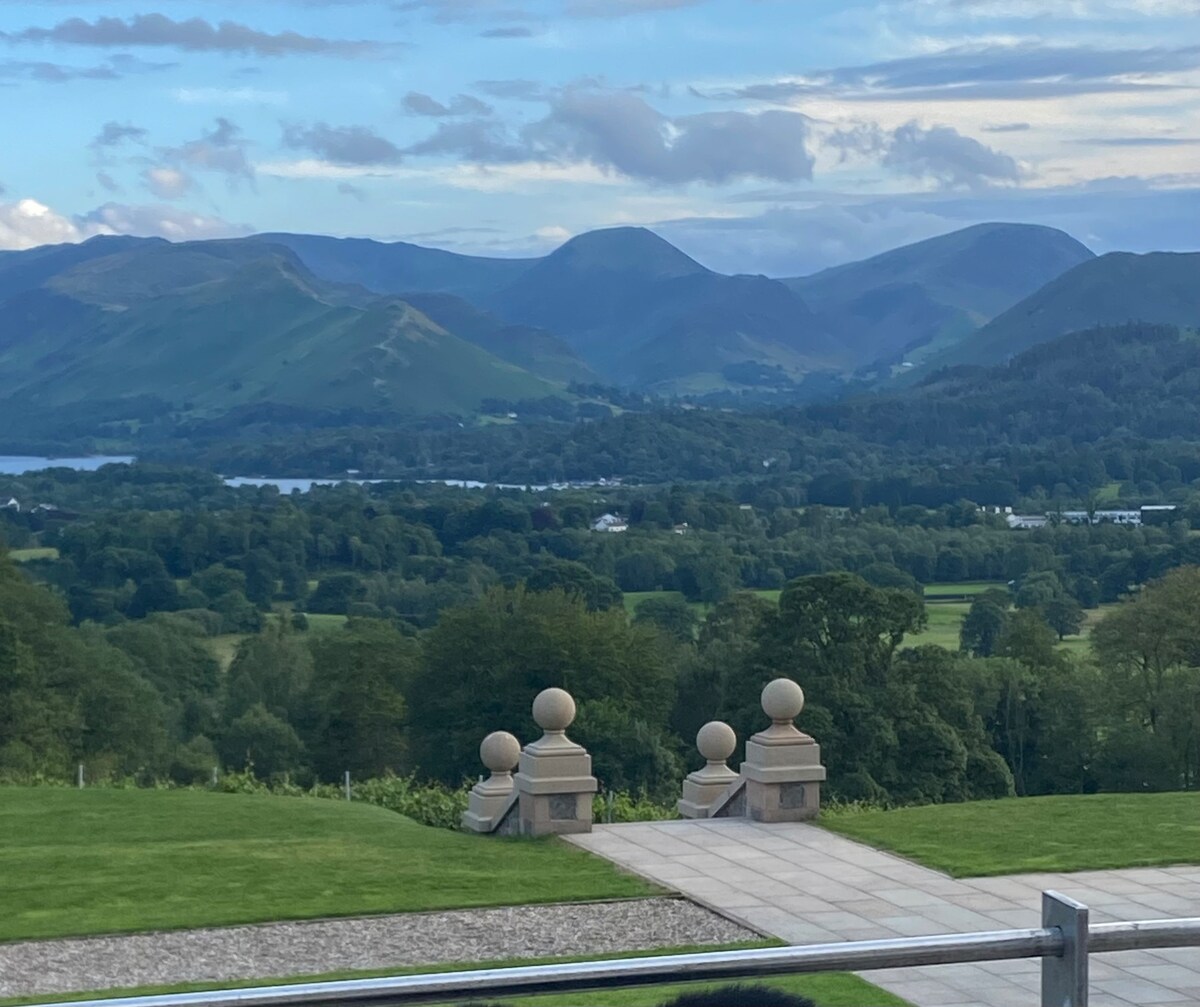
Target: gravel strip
<point>273,950</point>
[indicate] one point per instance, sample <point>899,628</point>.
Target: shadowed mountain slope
<point>1160,288</point>
<point>923,297</point>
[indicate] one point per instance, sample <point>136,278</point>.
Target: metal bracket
<point>1065,978</point>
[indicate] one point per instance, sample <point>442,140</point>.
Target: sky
<point>760,136</point>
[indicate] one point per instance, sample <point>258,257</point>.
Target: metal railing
<point>1063,943</point>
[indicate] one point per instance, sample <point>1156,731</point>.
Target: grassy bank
<point>103,861</point>
<point>1033,834</point>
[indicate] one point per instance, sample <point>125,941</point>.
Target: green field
<point>1072,833</point>
<point>968,588</point>
<point>25,555</point>
<point>103,861</point>
<point>944,617</point>
<point>944,622</point>
<point>224,647</point>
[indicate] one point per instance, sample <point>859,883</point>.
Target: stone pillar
<point>703,788</point>
<point>555,782</point>
<point>491,798</point>
<point>783,770</point>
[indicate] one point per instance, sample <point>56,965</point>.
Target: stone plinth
<point>703,789</point>
<point>492,798</point>
<point>783,770</point>
<point>555,783</point>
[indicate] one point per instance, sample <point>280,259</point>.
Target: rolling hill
<point>212,326</point>
<point>1160,287</point>
<point>921,298</point>
<point>399,267</point>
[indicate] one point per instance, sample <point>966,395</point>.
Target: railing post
<point>1065,978</point>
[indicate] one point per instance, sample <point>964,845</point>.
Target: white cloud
<point>27,223</point>
<point>167,183</point>
<point>171,222</point>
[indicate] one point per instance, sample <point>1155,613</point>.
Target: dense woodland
<point>161,624</point>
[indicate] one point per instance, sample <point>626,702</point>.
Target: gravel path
<point>272,950</point>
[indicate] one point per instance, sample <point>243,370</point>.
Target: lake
<point>18,465</point>
<point>15,465</point>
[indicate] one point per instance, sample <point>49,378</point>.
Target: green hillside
<point>1159,288</point>
<point>104,861</point>
<point>538,351</point>
<point>208,327</point>
<point>932,294</point>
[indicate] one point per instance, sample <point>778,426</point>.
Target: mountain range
<point>331,323</point>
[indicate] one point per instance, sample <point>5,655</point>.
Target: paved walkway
<point>809,886</point>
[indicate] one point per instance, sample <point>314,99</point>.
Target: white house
<point>610,523</point>
<point>1130,517</point>
<point>1026,521</point>
<point>13,504</point>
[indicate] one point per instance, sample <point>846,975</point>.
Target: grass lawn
<point>1034,834</point>
<point>971,587</point>
<point>944,621</point>
<point>833,989</point>
<point>25,555</point>
<point>224,648</point>
<point>105,861</point>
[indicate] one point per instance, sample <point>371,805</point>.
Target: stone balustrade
<point>551,793</point>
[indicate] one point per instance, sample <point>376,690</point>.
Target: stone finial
<point>782,700</point>
<point>554,710</point>
<point>500,752</point>
<point>783,770</point>
<point>716,741</point>
<point>705,787</point>
<point>555,781</point>
<point>491,799</point>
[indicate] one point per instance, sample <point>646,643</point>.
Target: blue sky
<point>775,136</point>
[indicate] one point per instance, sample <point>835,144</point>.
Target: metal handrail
<point>1050,943</point>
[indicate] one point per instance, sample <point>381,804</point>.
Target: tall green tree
<point>484,663</point>
<point>356,715</point>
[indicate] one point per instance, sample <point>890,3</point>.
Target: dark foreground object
<point>726,996</point>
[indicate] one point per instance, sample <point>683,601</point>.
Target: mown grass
<point>971,587</point>
<point>833,989</point>
<point>1035,834</point>
<point>943,625</point>
<point>28,555</point>
<point>104,861</point>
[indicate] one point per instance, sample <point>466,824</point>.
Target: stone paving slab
<point>809,886</point>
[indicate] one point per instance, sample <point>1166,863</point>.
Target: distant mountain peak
<point>621,249</point>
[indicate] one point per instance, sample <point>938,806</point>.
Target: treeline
<point>147,698</point>
<point>133,541</point>
<point>1060,422</point>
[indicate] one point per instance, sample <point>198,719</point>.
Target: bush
<point>622,806</point>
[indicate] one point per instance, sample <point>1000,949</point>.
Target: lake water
<point>18,465</point>
<point>15,465</point>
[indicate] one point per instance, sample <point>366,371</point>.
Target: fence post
<point>1065,978</point>
<point>347,784</point>
<point>79,776</point>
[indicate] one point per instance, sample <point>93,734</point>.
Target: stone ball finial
<point>500,752</point>
<point>554,709</point>
<point>716,741</point>
<point>782,700</point>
